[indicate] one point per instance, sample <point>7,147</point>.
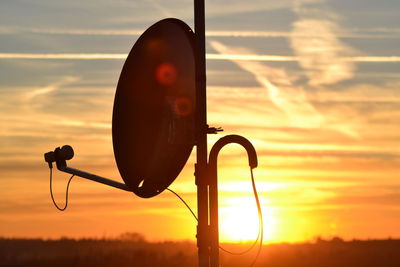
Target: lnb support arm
<point>60,157</point>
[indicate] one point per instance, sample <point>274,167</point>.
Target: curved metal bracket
<point>213,187</point>
<point>237,139</point>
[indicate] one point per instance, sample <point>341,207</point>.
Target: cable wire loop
<point>66,193</point>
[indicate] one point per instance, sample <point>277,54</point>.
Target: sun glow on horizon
<point>239,221</point>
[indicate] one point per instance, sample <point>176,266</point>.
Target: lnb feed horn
<point>62,154</point>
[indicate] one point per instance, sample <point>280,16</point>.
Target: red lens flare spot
<point>166,74</point>
<point>183,106</point>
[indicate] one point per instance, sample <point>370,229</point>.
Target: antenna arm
<point>95,178</point>
<point>60,157</point>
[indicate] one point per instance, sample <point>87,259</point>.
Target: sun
<point>239,220</point>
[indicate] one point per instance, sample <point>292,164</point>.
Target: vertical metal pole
<point>213,206</point>
<point>201,137</point>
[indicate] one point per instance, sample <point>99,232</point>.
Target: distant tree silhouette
<point>133,237</point>
<point>131,249</point>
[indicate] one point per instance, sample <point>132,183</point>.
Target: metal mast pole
<point>201,137</point>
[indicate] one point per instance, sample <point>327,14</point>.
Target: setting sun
<point>240,222</point>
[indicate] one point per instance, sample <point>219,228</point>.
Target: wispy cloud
<point>49,88</point>
<point>355,33</point>
<point>250,57</point>
<point>372,59</point>
<point>80,123</point>
<point>320,52</point>
<point>384,93</point>
<point>160,8</point>
<point>237,7</point>
<point>258,57</point>
<point>290,99</point>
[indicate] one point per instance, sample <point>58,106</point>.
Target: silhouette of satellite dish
<point>159,114</point>
<point>153,124</point>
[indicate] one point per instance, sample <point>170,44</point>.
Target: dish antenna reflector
<point>153,125</point>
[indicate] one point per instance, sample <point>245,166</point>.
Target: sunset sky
<point>313,84</point>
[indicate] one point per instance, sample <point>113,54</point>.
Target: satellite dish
<point>153,124</point>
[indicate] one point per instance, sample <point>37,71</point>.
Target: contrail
<point>210,56</point>
<point>351,33</point>
<point>61,56</point>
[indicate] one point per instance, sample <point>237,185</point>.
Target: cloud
<point>278,58</point>
<point>384,194</point>
<point>49,88</point>
<point>290,99</point>
<point>251,57</point>
<point>161,8</point>
<point>237,7</point>
<point>384,92</point>
<point>315,41</point>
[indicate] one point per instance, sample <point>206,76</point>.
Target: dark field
<point>137,252</point>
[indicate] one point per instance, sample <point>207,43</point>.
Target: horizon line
<point>142,239</point>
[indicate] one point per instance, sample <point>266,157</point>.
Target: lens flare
<point>183,106</point>
<point>166,74</point>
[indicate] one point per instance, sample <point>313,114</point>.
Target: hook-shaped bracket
<point>213,188</point>
<point>251,152</point>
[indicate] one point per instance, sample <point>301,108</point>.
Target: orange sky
<point>312,90</point>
